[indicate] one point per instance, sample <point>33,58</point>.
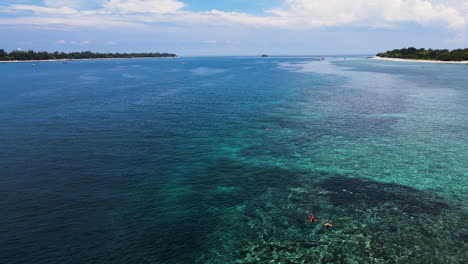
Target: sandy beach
<point>426,61</point>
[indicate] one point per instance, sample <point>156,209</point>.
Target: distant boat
<point>264,56</point>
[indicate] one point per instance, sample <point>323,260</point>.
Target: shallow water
<point>170,161</point>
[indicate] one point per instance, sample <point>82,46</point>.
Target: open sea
<point>222,160</point>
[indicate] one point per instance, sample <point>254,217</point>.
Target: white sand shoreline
<point>426,61</point>
<point>29,61</point>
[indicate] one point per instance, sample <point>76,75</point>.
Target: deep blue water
<point>222,159</point>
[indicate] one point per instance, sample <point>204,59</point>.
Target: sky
<point>233,27</point>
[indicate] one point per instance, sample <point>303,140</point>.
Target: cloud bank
<point>291,14</point>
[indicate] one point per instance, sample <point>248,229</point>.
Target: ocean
<point>224,159</point>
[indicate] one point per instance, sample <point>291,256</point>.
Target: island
<point>30,55</point>
<point>444,55</point>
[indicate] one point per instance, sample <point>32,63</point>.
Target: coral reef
<point>373,222</point>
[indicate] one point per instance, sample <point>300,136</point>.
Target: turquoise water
<point>222,160</point>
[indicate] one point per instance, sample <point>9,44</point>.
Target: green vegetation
<point>430,54</point>
<point>44,55</point>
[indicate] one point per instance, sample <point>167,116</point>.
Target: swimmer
<point>328,224</point>
<point>312,219</point>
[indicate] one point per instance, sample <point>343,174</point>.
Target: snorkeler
<point>312,219</point>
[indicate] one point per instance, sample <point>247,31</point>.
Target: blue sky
<point>233,27</point>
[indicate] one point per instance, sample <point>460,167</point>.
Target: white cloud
<point>67,23</point>
<point>111,42</point>
<point>323,13</point>
<point>76,4</point>
<point>458,39</point>
<point>61,42</point>
<point>144,6</point>
<point>82,42</point>
<point>40,10</point>
<point>292,14</point>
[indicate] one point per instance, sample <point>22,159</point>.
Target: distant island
<point>423,54</point>
<point>30,55</point>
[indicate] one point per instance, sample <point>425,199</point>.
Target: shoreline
<point>29,61</point>
<point>413,60</point>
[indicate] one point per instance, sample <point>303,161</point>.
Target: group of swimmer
<point>312,219</point>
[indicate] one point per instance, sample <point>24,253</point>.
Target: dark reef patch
<point>373,222</point>
<point>346,191</point>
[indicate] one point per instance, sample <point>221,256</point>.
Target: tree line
<point>430,54</point>
<point>44,55</point>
